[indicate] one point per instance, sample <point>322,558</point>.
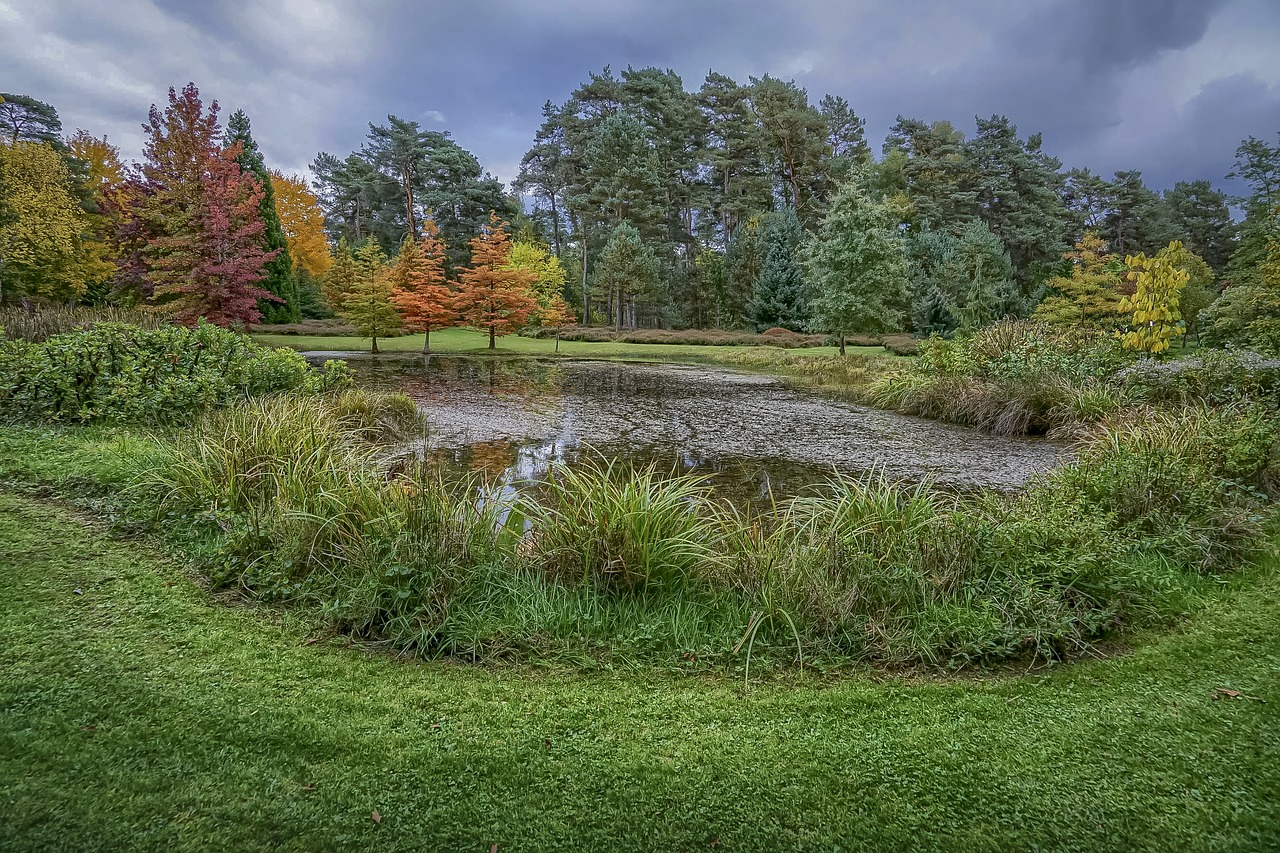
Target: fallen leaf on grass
<point>377,818</point>
<point>1225,693</point>
<point>493,848</point>
<point>308,787</point>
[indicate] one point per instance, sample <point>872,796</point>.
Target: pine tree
<point>421,294</point>
<point>779,296</point>
<point>493,296</point>
<point>627,271</point>
<point>279,272</point>
<point>857,267</point>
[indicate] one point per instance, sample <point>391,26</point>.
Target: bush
<point>124,373</point>
<point>1212,376</point>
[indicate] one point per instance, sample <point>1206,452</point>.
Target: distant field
<point>466,340</point>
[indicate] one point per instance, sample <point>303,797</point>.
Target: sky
<point>1169,87</point>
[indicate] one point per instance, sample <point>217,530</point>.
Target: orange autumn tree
<point>421,294</point>
<point>493,296</point>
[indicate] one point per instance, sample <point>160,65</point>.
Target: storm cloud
<point>1166,86</point>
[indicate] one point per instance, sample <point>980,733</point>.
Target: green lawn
<point>138,712</point>
<point>475,343</point>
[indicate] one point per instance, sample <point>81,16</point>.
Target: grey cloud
<point>313,73</point>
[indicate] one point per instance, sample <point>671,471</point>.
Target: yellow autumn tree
<point>547,285</point>
<point>103,181</point>
<point>1158,284</point>
<point>1090,296</point>
<point>40,242</point>
<point>303,224</point>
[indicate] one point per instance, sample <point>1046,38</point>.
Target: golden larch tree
<point>494,296</point>
<point>421,292</point>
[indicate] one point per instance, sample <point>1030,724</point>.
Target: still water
<point>754,435</point>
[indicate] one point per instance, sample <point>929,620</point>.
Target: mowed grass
<point>138,712</point>
<point>473,342</point>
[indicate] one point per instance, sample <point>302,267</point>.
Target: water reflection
<point>754,436</point>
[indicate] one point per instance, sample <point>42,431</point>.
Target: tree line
<point>736,205</point>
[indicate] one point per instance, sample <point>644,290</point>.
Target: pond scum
<point>274,479</point>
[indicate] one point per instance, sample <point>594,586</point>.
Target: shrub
<point>686,337</point>
<point>123,373</point>
<point>1212,376</point>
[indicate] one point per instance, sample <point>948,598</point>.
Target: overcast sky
<point>1166,86</point>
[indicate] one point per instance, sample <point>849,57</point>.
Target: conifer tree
<point>368,304</point>
<point>779,295</point>
<point>278,278</point>
<point>1090,295</point>
<point>340,277</point>
<point>626,271</point>
<point>494,296</point>
<point>421,294</point>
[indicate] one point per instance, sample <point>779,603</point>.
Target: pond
<point>753,435</point>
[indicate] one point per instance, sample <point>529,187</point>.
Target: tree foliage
<point>420,292</point>
<point>199,212</point>
<point>858,267</point>
<point>1158,284</point>
<point>41,252</point>
<point>1090,294</point>
<point>302,222</point>
<point>493,296</point>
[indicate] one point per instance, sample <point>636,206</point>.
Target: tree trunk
<point>426,341</point>
<point>842,343</point>
<point>586,297</point>
<point>555,223</point>
<point>557,340</point>
<point>408,203</point>
<point>492,335</point>
<point>374,350</point>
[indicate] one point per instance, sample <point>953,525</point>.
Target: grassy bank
<point>138,712</point>
<point>475,343</point>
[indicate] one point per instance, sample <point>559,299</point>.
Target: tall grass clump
<point>122,373</point>
<point>43,322</point>
<point>289,498</point>
<point>629,529</point>
<point>1012,378</point>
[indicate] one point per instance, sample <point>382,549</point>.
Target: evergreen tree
<point>928,166</point>
<point>278,277</point>
<point>743,261</point>
<point>733,150</point>
<point>24,119</point>
<point>857,267</point>
<point>627,272</point>
<point>1258,165</point>
<point>779,296</point>
<point>1201,216</point>
<point>1018,192</point>
<point>1138,220</point>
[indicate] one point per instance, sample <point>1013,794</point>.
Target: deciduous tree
<point>421,293</point>
<point>278,274</point>
<point>302,221</point>
<point>857,267</point>
<point>40,241</point>
<point>200,213</point>
<point>494,296</point>
<point>1158,284</point>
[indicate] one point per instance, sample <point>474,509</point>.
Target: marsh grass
<point>293,499</point>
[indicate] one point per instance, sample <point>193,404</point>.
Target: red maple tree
<point>493,296</point>
<point>422,295</point>
<point>202,250</point>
